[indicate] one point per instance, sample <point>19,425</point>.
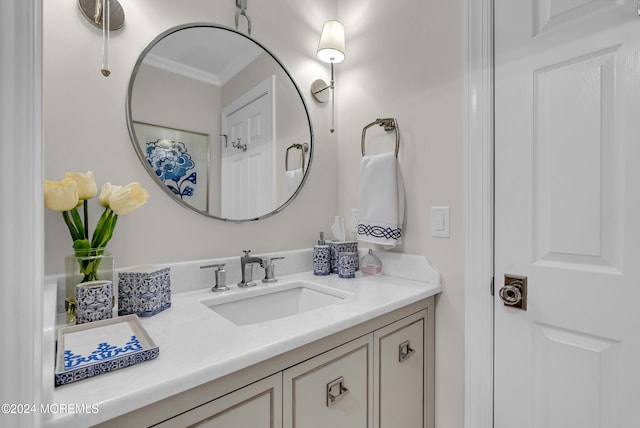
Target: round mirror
<point>219,123</point>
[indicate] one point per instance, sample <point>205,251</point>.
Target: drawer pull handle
<point>405,351</point>
<point>336,391</point>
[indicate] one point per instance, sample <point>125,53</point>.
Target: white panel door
<point>567,145</point>
<point>248,170</point>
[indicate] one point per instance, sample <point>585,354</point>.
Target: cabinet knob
<point>336,391</point>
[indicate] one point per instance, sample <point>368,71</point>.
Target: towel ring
<point>303,147</point>
<point>389,124</point>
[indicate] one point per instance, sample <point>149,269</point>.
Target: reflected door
<point>248,155</point>
<point>567,144</point>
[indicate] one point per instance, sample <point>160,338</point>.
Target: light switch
<point>440,222</point>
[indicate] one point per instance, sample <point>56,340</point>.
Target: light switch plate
<point>440,222</point>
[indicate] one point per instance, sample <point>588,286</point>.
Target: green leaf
<point>112,226</point>
<point>81,244</point>
<point>104,230</point>
<point>72,228</point>
<point>100,228</point>
<point>78,222</point>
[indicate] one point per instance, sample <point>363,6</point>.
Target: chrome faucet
<point>246,267</point>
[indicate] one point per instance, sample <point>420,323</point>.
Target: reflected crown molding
<point>232,68</point>
<point>181,69</point>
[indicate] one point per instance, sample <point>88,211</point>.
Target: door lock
<point>514,292</point>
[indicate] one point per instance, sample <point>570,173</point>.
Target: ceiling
<point>215,54</point>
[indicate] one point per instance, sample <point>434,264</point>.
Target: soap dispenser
<point>321,257</point>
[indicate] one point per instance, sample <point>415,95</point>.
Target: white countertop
<point>197,345</point>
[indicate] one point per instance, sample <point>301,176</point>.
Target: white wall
<point>405,60</point>
<point>85,129</point>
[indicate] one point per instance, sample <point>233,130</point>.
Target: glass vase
<point>90,264</point>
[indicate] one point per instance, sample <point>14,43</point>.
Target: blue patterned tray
<point>91,349</point>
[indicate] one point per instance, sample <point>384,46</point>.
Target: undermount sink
<point>273,302</point>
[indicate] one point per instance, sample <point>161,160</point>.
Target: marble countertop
<point>197,345</point>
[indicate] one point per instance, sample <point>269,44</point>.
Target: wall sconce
<point>111,14</point>
<point>331,49</point>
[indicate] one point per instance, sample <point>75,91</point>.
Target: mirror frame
<point>141,156</point>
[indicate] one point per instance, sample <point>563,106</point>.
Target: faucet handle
<point>269,268</point>
<point>246,253</point>
<point>221,277</point>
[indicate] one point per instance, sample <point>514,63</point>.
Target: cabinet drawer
<point>400,380</point>
<point>258,405</point>
<point>331,390</point>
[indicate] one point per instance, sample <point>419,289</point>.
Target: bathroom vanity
<point>363,357</point>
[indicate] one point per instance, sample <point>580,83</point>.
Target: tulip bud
<point>105,193</point>
<point>87,188</point>
<point>126,199</point>
<point>60,195</point>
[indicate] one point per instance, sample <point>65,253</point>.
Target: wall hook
<point>238,145</point>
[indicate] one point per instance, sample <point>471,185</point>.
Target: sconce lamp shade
<point>331,46</point>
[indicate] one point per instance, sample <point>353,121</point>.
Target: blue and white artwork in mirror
<point>179,159</point>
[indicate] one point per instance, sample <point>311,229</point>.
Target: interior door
<point>567,214</point>
<point>248,155</point>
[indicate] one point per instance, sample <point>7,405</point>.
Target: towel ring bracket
<point>302,147</point>
<point>389,124</point>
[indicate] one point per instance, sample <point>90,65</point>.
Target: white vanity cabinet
<point>403,376</point>
<point>258,405</point>
<point>377,374</point>
<point>379,380</point>
<point>331,390</point>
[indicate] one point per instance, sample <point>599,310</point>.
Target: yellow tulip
<point>87,188</point>
<point>125,199</point>
<point>60,195</point>
<point>105,193</point>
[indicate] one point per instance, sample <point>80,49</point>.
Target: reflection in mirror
<point>219,123</point>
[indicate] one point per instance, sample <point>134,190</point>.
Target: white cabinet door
<point>333,389</point>
<point>400,374</point>
<point>258,405</point>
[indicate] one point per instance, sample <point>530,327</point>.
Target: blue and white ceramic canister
<point>347,263</point>
<point>338,247</point>
<point>94,301</point>
<point>144,290</point>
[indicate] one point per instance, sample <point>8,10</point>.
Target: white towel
<point>380,200</point>
<point>290,184</point>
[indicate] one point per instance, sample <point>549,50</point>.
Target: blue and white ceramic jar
<point>144,291</point>
<point>94,301</point>
<point>347,263</point>
<point>338,247</point>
